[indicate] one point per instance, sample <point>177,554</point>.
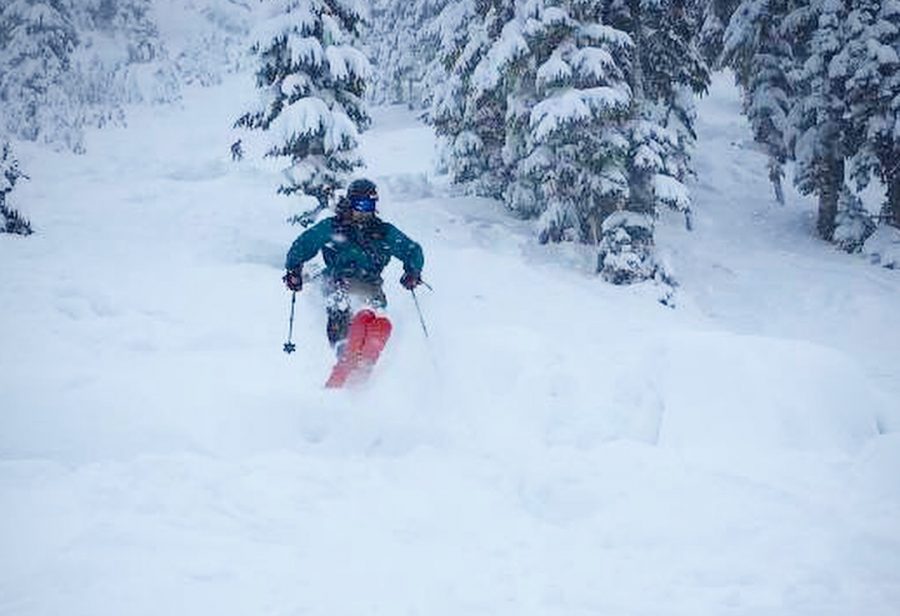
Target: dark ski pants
<point>342,295</point>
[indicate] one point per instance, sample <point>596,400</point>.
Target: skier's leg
<point>338,323</point>
<point>376,297</point>
<point>366,334</point>
<point>379,329</point>
<point>337,306</point>
<point>350,358</point>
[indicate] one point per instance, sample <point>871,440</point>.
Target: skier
<point>356,246</point>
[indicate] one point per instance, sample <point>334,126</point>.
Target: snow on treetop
<point>346,62</point>
<point>341,134</point>
<point>540,19</point>
<point>278,24</point>
<point>311,116</point>
<point>305,49</point>
<point>739,28</point>
<point>41,12</point>
<point>553,71</point>
<point>575,105</point>
<point>611,181</point>
<point>468,141</point>
<point>510,46</point>
<point>308,116</point>
<point>332,32</point>
<point>627,219</point>
<point>598,33</point>
<point>646,157</point>
<point>539,159</point>
<point>881,53</point>
<point>594,62</point>
<point>446,26</point>
<point>672,192</point>
<point>354,8</point>
<point>295,83</point>
<point>554,16</point>
<point>798,19</point>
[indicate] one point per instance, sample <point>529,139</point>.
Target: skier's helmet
<point>362,195</point>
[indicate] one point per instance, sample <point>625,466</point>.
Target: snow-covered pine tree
<point>568,105</point>
<point>388,44</point>
<point>818,119</point>
<point>762,61</point>
<point>122,23</point>
<point>853,224</point>
<point>440,21</point>
<point>65,65</point>
<point>714,16</point>
<point>312,79</point>
<point>120,60</point>
<point>10,219</point>
<point>869,65</point>
<point>404,49</point>
<point>36,41</point>
<point>472,121</point>
<point>208,39</point>
<point>666,71</point>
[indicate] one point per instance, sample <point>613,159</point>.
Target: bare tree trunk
<point>776,172</point>
<point>641,192</point>
<point>893,202</point>
<point>830,183</point>
<point>637,85</point>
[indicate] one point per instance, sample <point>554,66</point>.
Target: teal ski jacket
<point>355,251</point>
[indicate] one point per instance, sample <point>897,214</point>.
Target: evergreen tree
<point>10,219</point>
<point>566,124</point>
<point>129,20</point>
<point>120,60</point>
<point>65,65</point>
<point>869,66</point>
<point>439,23</point>
<point>853,224</point>
<point>312,81</point>
<point>211,39</point>
<point>388,46</point>
<point>818,121</point>
<point>36,41</point>
<point>579,113</point>
<point>666,71</point>
<point>714,15</point>
<point>404,50</point>
<point>762,61</point>
<point>471,118</point>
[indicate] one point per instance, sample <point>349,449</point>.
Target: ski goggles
<point>362,203</point>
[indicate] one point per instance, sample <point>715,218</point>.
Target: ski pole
<point>419,310</point>
<point>289,346</point>
<point>425,331</point>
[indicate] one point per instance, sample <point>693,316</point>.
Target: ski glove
<point>411,280</point>
<point>293,280</point>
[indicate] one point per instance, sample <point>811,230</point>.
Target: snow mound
<point>883,247</point>
<point>764,393</point>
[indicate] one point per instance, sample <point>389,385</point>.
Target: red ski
<point>366,338</point>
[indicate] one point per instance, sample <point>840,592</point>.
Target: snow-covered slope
<point>557,446</point>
